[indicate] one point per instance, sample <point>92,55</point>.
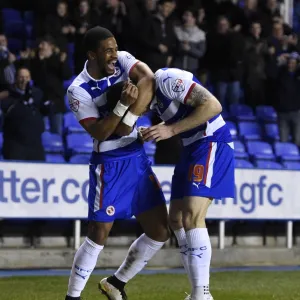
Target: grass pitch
<point>224,286</point>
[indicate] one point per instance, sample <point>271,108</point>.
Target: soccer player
<point>122,182</point>
<point>204,172</point>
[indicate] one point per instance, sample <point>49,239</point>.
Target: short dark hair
<point>95,35</point>
<point>162,2</point>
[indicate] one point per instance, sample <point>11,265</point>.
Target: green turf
<point>224,286</point>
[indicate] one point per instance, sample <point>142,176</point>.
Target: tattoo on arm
<point>199,96</point>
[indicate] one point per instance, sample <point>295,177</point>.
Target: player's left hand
<point>158,133</point>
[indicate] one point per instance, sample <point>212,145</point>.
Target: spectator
<point>112,15</point>
<point>250,14</point>
<point>256,50</point>
<point>201,19</point>
<point>270,11</point>
<point>7,68</point>
<point>191,43</point>
<point>224,55</point>
<point>83,19</point>
<point>288,97</point>
<point>49,70</point>
<point>157,37</point>
<point>23,123</point>
<point>60,26</point>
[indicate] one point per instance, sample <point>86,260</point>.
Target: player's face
<point>107,56</point>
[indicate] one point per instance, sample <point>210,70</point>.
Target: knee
<point>161,234</point>
<point>98,232</point>
<point>193,219</point>
<point>175,222</point>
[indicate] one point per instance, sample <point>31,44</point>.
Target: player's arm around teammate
<point>143,77</point>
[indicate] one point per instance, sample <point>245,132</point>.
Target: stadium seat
<point>260,150</point>
<point>266,113</point>
<point>1,141</point>
<point>292,165</point>
<point>9,15</point>
<point>70,57</point>
<point>225,114</point>
<point>67,103</point>
<point>15,29</point>
<point>52,142</point>
<point>14,45</point>
<point>264,164</point>
<point>30,43</point>
<point>29,31</point>
<point>250,131</point>
<point>55,158</point>
<point>80,159</point>
<point>71,125</point>
<point>79,143</point>
<point>242,112</point>
<point>271,132</point>
<point>287,151</point>
<point>29,17</point>
<point>240,151</point>
<point>243,164</point>
<point>47,124</point>
<point>68,82</point>
<point>233,129</point>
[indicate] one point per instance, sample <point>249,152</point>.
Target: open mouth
<point>111,65</point>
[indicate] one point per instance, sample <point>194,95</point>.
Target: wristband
<point>130,119</point>
<point>120,109</point>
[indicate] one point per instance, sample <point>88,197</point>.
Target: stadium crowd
<point>243,52</point>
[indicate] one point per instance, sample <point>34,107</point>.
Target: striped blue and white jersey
<point>173,87</point>
<point>87,99</point>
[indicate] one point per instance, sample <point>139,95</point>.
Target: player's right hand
<point>129,94</point>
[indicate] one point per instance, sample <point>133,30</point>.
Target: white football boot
<point>111,292</point>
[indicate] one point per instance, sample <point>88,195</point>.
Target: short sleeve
<point>81,104</point>
<point>127,61</point>
<point>176,84</point>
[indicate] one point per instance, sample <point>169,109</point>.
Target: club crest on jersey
<point>110,210</point>
<point>74,104</point>
<point>178,86</point>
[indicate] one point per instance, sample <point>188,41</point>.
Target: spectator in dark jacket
<point>84,18</point>
<point>23,123</point>
<point>224,56</point>
<point>256,54</point>
<point>60,26</point>
<point>49,70</point>
<point>288,97</point>
<point>7,68</point>
<point>157,37</point>
<point>191,43</point>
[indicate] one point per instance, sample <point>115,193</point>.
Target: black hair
<point>162,2</point>
<point>192,10</point>
<point>95,35</point>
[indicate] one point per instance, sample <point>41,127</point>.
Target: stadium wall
<point>59,191</point>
